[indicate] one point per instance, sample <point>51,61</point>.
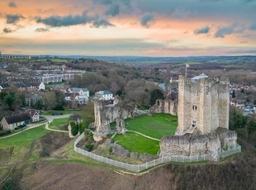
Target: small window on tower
<point>194,107</point>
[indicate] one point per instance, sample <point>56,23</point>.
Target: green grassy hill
<point>155,126</point>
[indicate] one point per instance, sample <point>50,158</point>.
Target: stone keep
<point>203,113</point>
<point>203,104</point>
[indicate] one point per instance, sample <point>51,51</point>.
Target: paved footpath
<point>49,118</point>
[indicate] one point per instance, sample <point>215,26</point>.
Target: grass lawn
<point>56,123</point>
<point>156,126</point>
<point>137,143</point>
<point>76,111</point>
<point>24,138</point>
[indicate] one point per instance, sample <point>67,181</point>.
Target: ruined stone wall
<point>224,103</point>
<point>165,106</point>
<point>204,103</point>
<point>191,145</point>
<point>104,115</point>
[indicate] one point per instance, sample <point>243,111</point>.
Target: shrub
<point>89,147</point>
<point>20,127</point>
<point>74,128</point>
<point>2,133</point>
<point>81,127</point>
<point>110,150</point>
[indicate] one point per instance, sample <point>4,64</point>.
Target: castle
<point>203,115</point>
<point>203,118</point>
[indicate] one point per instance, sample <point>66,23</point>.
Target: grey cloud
<point>204,30</point>
<point>101,23</point>
<point>234,28</point>
<point>146,20</point>
<point>111,2</point>
<point>13,18</point>
<point>42,30</point>
<point>113,10</point>
<point>12,4</point>
<point>223,31</point>
<point>71,20</point>
<point>7,30</point>
<point>113,7</point>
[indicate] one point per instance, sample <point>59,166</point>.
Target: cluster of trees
<point>54,100</point>
<point>244,77</point>
<point>110,80</point>
<point>13,100</point>
<point>245,126</point>
<point>143,93</point>
<point>247,95</point>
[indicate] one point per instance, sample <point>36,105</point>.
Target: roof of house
<point>103,92</point>
<point>199,77</point>
<point>5,85</point>
<point>78,89</point>
<point>19,85</point>
<point>17,118</point>
<point>29,84</point>
<point>32,112</point>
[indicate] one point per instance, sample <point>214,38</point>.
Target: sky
<point>128,27</point>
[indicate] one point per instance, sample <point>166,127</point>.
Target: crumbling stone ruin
<point>118,111</point>
<point>164,106</point>
<point>203,113</point>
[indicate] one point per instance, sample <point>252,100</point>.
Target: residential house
<point>11,122</point>
<point>196,78</point>
<point>19,86</point>
<point>34,115</point>
<point>81,95</point>
<point>104,95</point>
<point>4,87</point>
<point>55,78</point>
<point>80,91</point>
<point>31,86</point>
<point>32,98</point>
<point>41,86</point>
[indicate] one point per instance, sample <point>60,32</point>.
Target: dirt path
<point>143,135</point>
<point>56,130</point>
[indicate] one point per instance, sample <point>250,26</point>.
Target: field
<point>51,112</point>
<point>24,138</point>
<point>137,143</point>
<point>156,126</point>
<point>58,123</point>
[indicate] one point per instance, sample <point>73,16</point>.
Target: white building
<point>104,95</point>
<point>82,95</point>
<point>41,86</point>
<point>55,78</point>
